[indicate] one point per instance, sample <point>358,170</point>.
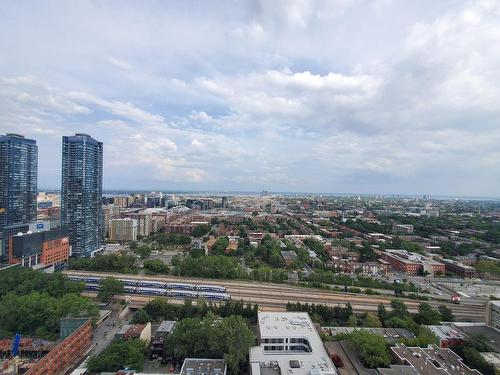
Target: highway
<point>275,296</point>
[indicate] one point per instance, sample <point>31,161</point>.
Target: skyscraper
<point>18,178</point>
<point>81,193</point>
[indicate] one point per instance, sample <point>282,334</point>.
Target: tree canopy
<point>212,337</point>
<point>109,287</point>
<point>118,355</point>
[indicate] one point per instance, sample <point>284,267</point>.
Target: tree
<point>109,287</point>
<point>446,314</point>
<point>352,321</point>
<point>200,230</point>
<point>141,317</point>
<point>118,355</point>
<point>427,315</point>
<point>381,312</point>
<point>371,320</point>
<point>155,266</point>
<point>211,337</point>
<point>373,348</point>
<point>399,309</point>
<point>143,251</point>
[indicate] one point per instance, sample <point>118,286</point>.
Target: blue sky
<point>322,96</point>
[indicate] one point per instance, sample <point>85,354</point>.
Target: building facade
<point>81,193</point>
<point>123,229</point>
<point>18,182</point>
<point>39,249</point>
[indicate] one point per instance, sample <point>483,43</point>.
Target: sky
<point>348,96</point>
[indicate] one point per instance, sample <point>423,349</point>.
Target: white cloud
<point>278,95</point>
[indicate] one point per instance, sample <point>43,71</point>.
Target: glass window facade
<point>18,181</point>
<point>81,193</point>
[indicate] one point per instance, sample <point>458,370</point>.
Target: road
<point>104,334</point>
<point>276,296</point>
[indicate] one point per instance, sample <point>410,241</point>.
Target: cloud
<point>284,95</point>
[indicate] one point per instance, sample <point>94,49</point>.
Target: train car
<point>211,288</point>
<point>91,286</point>
<point>130,282</point>
<point>152,284</point>
<point>181,286</point>
<point>87,279</point>
<point>150,291</point>
<point>90,279</point>
<point>214,296</point>
<point>181,293</point>
<point>129,289</point>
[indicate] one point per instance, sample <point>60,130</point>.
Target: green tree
<point>371,320</point>
<point>143,251</point>
<point>427,315</point>
<point>210,337</point>
<point>118,355</point>
<point>110,287</point>
<point>446,314</point>
<point>352,321</point>
<point>141,317</point>
<point>200,230</point>
<point>156,266</point>
<point>372,347</point>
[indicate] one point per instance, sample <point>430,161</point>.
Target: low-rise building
<point>448,336</point>
<point>197,366</point>
<point>289,256</point>
<point>402,228</point>
<point>430,361</point>
<point>40,249</point>
<point>412,263</point>
<point>289,343</point>
<point>465,271</point>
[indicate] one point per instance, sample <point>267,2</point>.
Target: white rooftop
<point>287,326</point>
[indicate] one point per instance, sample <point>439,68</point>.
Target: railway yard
<point>271,296</point>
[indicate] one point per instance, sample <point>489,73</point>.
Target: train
<point>174,293</point>
<point>155,284</point>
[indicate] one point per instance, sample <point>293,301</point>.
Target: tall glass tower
<point>81,193</point>
<point>18,177</point>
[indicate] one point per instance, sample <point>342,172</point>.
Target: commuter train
<point>174,293</point>
<point>154,284</point>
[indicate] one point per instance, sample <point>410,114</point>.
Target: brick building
<point>65,354</point>
<point>39,249</point>
<point>412,263</point>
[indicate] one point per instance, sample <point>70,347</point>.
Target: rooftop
<point>444,332</point>
<point>432,360</point>
<point>197,366</point>
<point>280,328</point>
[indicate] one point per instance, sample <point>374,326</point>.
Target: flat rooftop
<point>197,366</point>
<point>444,332</point>
<point>491,334</point>
<point>432,360</point>
<point>287,326</point>
<point>391,334</point>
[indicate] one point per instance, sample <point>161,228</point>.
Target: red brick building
<point>412,263</point>
<point>65,354</point>
<point>39,249</point>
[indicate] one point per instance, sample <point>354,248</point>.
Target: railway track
<point>276,296</point>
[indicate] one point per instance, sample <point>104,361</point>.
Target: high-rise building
<point>81,193</point>
<point>123,229</point>
<point>18,179</point>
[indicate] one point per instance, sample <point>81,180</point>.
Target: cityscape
<point>248,208</point>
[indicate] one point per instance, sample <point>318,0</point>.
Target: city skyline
<point>322,97</point>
